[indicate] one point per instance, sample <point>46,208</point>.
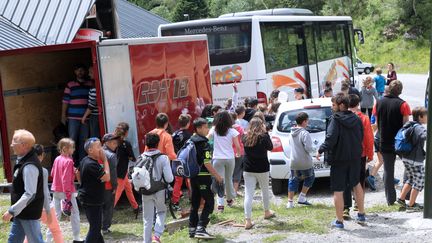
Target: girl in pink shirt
<point>63,176</point>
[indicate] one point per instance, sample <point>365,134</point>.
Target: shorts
<point>376,143</point>
<point>362,177</point>
<point>307,176</point>
<point>415,175</point>
<point>342,176</point>
<point>238,169</point>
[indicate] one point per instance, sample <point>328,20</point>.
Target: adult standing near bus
<point>27,195</point>
<point>391,113</point>
<point>391,73</point>
<point>75,100</point>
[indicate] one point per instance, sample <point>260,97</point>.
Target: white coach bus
<point>280,49</point>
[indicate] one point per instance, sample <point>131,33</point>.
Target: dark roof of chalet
<point>137,22</point>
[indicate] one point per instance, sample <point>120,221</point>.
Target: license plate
<point>319,166</point>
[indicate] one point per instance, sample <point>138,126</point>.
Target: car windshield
<point>317,119</point>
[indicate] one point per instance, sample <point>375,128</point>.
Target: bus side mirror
<point>360,35</point>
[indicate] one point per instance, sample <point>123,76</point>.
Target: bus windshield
<point>228,43</point>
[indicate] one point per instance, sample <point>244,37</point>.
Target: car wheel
<point>367,70</point>
<point>277,186</point>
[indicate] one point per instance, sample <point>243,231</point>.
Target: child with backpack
<point>158,165</point>
<point>63,177</point>
<point>179,138</point>
<point>301,161</point>
<point>414,159</point>
<point>166,145</point>
<point>201,184</point>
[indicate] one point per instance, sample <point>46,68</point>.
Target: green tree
<point>196,9</point>
<point>146,4</point>
<point>162,11</point>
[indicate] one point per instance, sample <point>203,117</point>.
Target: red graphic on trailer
<point>179,88</point>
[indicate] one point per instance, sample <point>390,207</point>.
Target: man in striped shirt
<point>75,100</point>
<point>92,113</point>
<point>92,110</point>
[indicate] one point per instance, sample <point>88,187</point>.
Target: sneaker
<point>107,231</point>
<point>371,181</point>
<point>176,207</point>
<point>220,209</point>
<point>230,203</point>
<point>401,202</point>
<point>156,239</point>
<point>192,232</point>
<point>290,205</point>
<point>355,207</point>
<point>414,208</point>
<point>337,224</point>
<point>201,233</point>
<point>305,203</point>
<point>346,214</point>
<point>361,219</point>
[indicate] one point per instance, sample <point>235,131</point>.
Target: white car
<point>364,67</point>
<point>319,110</point>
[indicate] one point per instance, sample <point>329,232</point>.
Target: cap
<point>299,90</point>
<point>109,137</point>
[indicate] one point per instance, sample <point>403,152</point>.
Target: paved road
<point>414,88</point>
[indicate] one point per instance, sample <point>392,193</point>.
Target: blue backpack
<point>403,145</point>
<point>186,164</point>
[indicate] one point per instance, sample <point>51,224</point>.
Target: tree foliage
<point>194,9</point>
<point>376,17</point>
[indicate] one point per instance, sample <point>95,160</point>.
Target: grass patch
<point>408,56</point>
<point>275,238</point>
<point>301,219</point>
<point>383,208</point>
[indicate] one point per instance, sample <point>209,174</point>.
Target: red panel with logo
<point>173,78</point>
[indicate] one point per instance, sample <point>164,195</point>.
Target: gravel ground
<point>383,227</point>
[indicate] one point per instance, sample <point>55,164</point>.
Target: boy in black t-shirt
<point>201,184</point>
<point>179,138</point>
<point>92,188</point>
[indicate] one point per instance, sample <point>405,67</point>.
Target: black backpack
<point>148,163</point>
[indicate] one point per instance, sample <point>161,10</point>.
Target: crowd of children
<point>231,145</point>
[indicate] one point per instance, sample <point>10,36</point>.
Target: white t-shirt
<point>223,145</point>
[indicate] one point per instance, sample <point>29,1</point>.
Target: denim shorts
<point>307,176</point>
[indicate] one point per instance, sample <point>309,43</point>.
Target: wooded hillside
<point>396,30</point>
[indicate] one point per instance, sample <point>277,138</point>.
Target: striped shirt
<point>92,102</point>
<point>76,96</point>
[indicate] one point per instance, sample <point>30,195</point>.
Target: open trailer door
<point>143,77</point>
<point>32,85</point>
